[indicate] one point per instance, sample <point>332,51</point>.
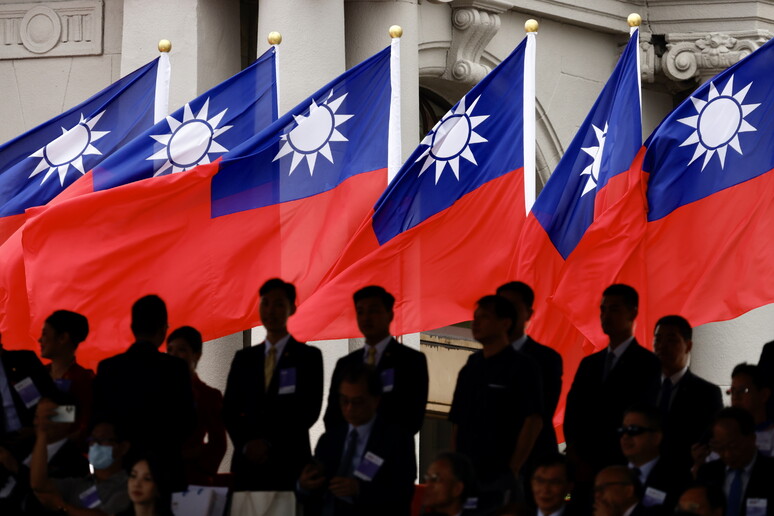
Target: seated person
<point>551,483</point>
<point>204,450</point>
<point>700,499</point>
<point>149,488</point>
<point>364,467</point>
<point>101,494</point>
<point>750,391</point>
<point>451,482</point>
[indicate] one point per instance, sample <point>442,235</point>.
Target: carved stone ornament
<point>691,56</point>
<point>474,25</point>
<point>72,28</point>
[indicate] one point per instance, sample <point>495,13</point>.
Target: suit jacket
<point>390,491</point>
<point>19,365</point>
<point>693,408</point>
<point>282,419</point>
<point>405,403</point>
<point>595,406</point>
<point>766,363</point>
<point>550,364</point>
<point>760,485</point>
<point>669,479</point>
<point>147,393</point>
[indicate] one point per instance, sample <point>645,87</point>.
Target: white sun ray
<point>595,151</point>
<point>69,149</point>
<point>718,122</point>
<point>313,133</point>
<point>191,141</point>
<point>451,139</point>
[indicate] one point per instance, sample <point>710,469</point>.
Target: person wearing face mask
<point>99,494</point>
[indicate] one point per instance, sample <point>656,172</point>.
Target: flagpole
<point>163,75</point>
<point>531,27</point>
<point>275,38</point>
<point>394,150</point>
<point>635,20</point>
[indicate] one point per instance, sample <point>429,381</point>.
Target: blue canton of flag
<point>42,162</point>
<point>478,140</point>
<point>200,132</point>
<point>605,145</point>
<point>721,138</point>
<point>328,138</point>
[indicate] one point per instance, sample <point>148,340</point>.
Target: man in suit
<point>450,482</point>
<point>549,361</point>
<point>641,437</point>
<point>146,392</point>
<point>744,475</point>
<point>551,483</point>
<point>766,363</point>
<point>702,500</point>
<point>273,396</point>
<point>687,402</point>
<point>606,384</point>
<point>366,466</point>
<point>750,391</point>
<point>616,493</point>
<point>403,370</point>
<point>497,408</point>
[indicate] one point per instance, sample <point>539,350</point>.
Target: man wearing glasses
<point>615,493</point>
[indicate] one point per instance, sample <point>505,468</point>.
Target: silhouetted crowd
<point>644,435</point>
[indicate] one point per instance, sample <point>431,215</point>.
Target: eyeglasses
<point>601,487</point>
<point>738,391</point>
<point>433,479</point>
<point>634,430</point>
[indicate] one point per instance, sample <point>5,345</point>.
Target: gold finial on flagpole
<point>396,31</point>
<point>531,25</point>
<point>634,20</point>
<point>165,45</point>
<point>275,38</point>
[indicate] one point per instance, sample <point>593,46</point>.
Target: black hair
<point>149,316</point>
<point>523,290</point>
<point>374,291</point>
<point>277,284</point>
<point>162,478</point>
<point>679,322</point>
<point>715,497</point>
<point>501,307</point>
<point>189,334</point>
<point>651,414</point>
<point>754,372</point>
<point>72,323</point>
<point>629,296</point>
<point>557,460</point>
<point>360,372</point>
<point>463,471</point>
<point>742,417</point>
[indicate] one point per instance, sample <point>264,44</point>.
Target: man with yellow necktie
<point>273,396</point>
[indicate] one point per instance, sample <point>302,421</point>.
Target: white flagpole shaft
<point>529,122</point>
<point>277,75</point>
<point>163,75</point>
<point>634,32</point>
<point>394,151</point>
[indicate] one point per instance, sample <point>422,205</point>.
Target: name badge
<point>763,441</point>
<point>471,504</point>
<point>756,507</point>
<point>28,392</point>
<point>388,380</point>
<point>90,498</point>
<point>287,380</point>
<point>653,497</point>
<point>63,385</point>
<point>369,467</point>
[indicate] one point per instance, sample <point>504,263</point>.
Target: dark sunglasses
<point>634,430</point>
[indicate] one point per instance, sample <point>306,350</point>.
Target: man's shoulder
<point>302,348</point>
<point>540,350</point>
<point>19,356</point>
<point>697,383</point>
<point>402,351</point>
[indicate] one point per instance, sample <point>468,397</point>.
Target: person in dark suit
<point>702,500</point>
<point>550,484</point>
<point>687,402</point>
<point>549,361</point>
<point>606,384</point>
<point>766,363</point>
<point>617,493</point>
<point>641,437</point>
<point>146,392</point>
<point>744,475</point>
<point>450,485</point>
<point>365,467</point>
<point>749,390</point>
<point>403,370</point>
<point>273,396</point>
<point>497,408</point>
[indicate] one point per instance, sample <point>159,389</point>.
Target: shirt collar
<point>747,469</point>
<point>629,510</point>
<point>645,469</point>
<point>280,346</point>
<point>519,343</point>
<point>560,512</point>
<point>622,347</point>
<point>364,430</point>
<point>379,347</point>
<point>675,377</point>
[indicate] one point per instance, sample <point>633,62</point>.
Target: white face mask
<point>100,456</point>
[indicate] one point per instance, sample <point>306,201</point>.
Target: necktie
<point>637,472</point>
<point>371,357</point>
<point>609,361</point>
<point>735,494</point>
<point>345,467</point>
<point>268,366</point>
<point>666,396</point>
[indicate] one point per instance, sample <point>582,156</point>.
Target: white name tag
<point>369,467</point>
<point>653,497</point>
<point>763,442</point>
<point>756,507</point>
<point>28,392</point>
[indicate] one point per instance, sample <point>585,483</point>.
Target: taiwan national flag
<point>442,234</point>
<point>589,179</point>
<point>36,166</point>
<point>198,133</point>
<point>709,243</point>
<point>283,204</point>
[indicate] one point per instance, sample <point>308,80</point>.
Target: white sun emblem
<point>451,139</point>
<point>596,154</point>
<point>68,149</point>
<point>719,121</point>
<point>191,141</point>
<point>313,133</point>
